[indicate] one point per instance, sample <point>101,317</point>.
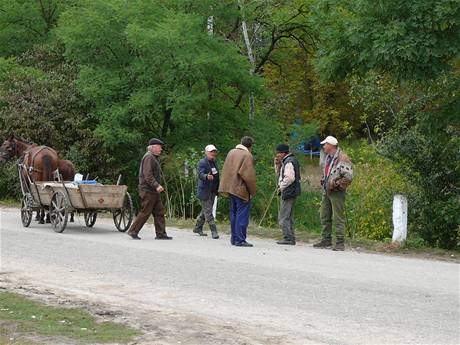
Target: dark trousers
<point>206,212</point>
<point>151,204</point>
<point>239,219</point>
<point>285,218</point>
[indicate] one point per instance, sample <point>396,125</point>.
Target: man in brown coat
<point>149,192</point>
<point>238,182</point>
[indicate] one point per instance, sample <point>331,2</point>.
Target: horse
<point>40,161</point>
<point>66,169</point>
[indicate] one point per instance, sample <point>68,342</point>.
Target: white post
<point>214,208</point>
<point>399,218</point>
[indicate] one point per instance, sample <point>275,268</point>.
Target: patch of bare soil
<point>158,327</point>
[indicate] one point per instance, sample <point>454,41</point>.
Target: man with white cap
<point>337,176</point>
<point>208,185</point>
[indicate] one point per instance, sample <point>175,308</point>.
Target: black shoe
<point>165,237</point>
<point>244,244</point>
<point>198,231</point>
<point>215,235</point>
<point>134,236</point>
<point>323,244</point>
<point>286,242</point>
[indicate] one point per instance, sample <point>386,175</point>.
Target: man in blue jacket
<point>208,185</point>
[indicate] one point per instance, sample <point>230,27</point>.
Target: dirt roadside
<point>158,327</point>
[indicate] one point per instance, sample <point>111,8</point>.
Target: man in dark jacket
<point>149,192</point>
<point>208,185</point>
<point>288,172</point>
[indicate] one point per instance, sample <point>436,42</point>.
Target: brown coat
<point>238,175</point>
<point>149,173</point>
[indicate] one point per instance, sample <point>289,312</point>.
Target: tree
<point>409,39</point>
<point>146,69</point>
<point>414,45</point>
<point>25,23</point>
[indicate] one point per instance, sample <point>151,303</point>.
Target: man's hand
<point>160,189</point>
<point>210,177</point>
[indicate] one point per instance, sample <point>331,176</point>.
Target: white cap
<point>330,140</point>
<point>210,148</point>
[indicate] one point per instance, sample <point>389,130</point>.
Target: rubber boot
<point>214,233</point>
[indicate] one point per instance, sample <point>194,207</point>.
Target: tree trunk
<point>251,56</point>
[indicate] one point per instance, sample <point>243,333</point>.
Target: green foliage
<point>157,68</point>
<point>9,186</point>
<point>370,196</point>
<point>39,101</point>
<point>428,153</point>
<point>408,39</point>
<point>96,79</point>
<point>417,127</point>
<point>25,24</point>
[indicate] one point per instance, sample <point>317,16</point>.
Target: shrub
<point>9,182</point>
<point>370,196</point>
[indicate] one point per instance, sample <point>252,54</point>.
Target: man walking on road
<point>149,192</point>
<point>238,182</point>
<point>337,176</point>
<point>288,172</point>
<point>208,185</point>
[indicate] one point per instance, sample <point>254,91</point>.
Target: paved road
<point>285,295</point>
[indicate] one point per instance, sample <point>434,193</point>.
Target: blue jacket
<point>205,187</point>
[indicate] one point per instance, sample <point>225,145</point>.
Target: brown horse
<point>40,161</point>
<point>66,169</point>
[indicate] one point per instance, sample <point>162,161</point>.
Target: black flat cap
<point>282,148</point>
<point>155,141</point>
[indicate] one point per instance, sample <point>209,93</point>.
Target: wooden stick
<point>268,206</point>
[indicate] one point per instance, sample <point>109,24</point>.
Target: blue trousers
<point>239,219</point>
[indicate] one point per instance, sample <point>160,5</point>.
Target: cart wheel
<point>90,219</point>
<point>124,216</point>
<point>58,212</point>
<point>26,210</point>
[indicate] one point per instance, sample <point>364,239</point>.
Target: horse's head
<point>8,150</point>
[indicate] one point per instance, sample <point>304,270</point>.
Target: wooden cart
<point>62,198</point>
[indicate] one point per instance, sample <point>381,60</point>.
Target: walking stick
<point>268,206</point>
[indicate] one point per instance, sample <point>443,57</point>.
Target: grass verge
<point>31,317</point>
<point>9,203</point>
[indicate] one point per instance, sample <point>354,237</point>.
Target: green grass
<point>9,203</point>
<point>32,317</point>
